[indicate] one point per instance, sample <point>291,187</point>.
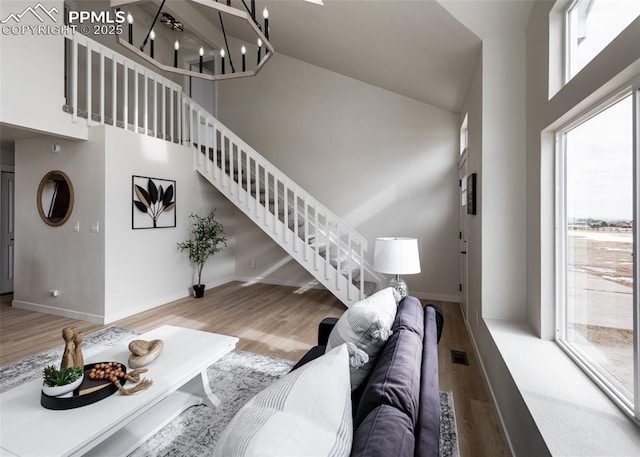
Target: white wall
<point>503,176</point>
<point>119,271</point>
<point>143,268</point>
<point>385,163</point>
<point>32,76</point>
<point>499,154</point>
<point>57,257</point>
<point>473,108</point>
<point>497,246</point>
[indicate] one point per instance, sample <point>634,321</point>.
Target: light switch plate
<point>95,227</point>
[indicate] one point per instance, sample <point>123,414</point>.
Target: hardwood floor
<point>277,321</point>
<point>478,432</point>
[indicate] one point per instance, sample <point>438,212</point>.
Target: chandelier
<point>220,72</point>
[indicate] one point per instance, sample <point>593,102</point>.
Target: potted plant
<point>59,383</point>
<point>207,238</point>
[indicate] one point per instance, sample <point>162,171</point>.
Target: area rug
<point>235,378</point>
<point>448,432</point>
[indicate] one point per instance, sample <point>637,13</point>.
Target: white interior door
<point>7,229</point>
<point>464,236</point>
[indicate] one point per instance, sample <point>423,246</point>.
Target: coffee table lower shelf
<point>144,426</point>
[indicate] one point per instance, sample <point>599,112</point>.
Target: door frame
<point>7,169</point>
<point>463,171</point>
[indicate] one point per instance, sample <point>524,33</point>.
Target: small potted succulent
<point>61,383</point>
<point>207,238</point>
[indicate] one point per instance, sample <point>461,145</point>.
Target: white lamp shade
<point>396,255</point>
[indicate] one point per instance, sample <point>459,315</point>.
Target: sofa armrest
<point>312,354</point>
<point>324,330</point>
<point>439,314</point>
<point>428,428</point>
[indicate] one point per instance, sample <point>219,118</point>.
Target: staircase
<point>315,237</point>
<point>131,96</point>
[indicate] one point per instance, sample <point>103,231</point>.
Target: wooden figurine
<point>144,352</point>
<point>68,361</point>
<point>78,358</point>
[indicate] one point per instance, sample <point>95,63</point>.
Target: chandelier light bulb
<point>201,51</point>
<point>265,13</point>
<point>152,35</point>
<point>259,42</point>
<point>130,21</point>
<point>176,46</point>
<point>222,53</point>
<point>243,50</point>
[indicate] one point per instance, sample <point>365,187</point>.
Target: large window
<point>592,24</point>
<point>597,172</point>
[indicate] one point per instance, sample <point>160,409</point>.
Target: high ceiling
<point>415,48</point>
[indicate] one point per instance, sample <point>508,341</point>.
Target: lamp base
<point>399,285</point>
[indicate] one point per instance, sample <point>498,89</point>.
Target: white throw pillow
<point>305,413</point>
<point>366,324</point>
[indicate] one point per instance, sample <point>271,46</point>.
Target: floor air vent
<point>459,357</point>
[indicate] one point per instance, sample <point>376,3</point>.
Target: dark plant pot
<point>198,290</point>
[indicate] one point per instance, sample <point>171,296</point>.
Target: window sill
<point>573,416</point>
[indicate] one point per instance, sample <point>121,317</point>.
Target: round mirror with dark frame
<point>55,198</point>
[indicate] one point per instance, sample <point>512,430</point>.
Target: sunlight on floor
<point>308,286</point>
<point>273,341</point>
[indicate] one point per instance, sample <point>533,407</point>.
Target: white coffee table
<point>118,424</point>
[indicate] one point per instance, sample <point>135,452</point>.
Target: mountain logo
<point>39,8</point>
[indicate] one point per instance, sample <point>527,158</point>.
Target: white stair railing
<point>128,94</point>
<point>106,87</point>
<point>318,239</point>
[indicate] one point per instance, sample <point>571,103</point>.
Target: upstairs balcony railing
<point>105,87</point>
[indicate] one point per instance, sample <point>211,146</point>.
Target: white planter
<point>62,391</point>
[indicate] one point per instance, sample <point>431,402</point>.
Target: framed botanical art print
<point>154,203</point>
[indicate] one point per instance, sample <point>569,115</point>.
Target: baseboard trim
<point>110,318</point>
<point>438,297</point>
<point>95,318</point>
<point>487,384</point>
<point>316,285</point>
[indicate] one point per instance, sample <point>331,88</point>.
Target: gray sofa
<point>397,410</point>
